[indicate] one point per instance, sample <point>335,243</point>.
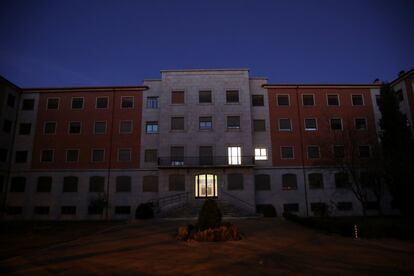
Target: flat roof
<point>268,86</point>
<point>84,89</point>
<point>204,70</point>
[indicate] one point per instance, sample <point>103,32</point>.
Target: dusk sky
<point>87,43</point>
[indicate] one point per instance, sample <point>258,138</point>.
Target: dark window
<point>11,100</point>
<point>177,97</point>
<point>177,155</point>
<point>96,184</point>
<point>319,208</point>
<point>74,127</point>
<point>257,100</point>
<point>360,123</point>
<point>206,155</point>
<point>152,102</point>
<point>341,180</point>
<point>339,151</point>
<point>285,125</point>
<point>53,103</point>
<point>44,184</point>
<point>28,104</point>
<point>204,96</point>
<point>262,182</point>
<point>77,103</point>
<point>14,210</point>
<point>176,182</point>
<point>124,155</point>
<point>150,183</point>
<point>98,155</point>
<point>177,123</point>
<point>310,124</point>
<point>50,128</point>
<point>232,96</point>
<point>150,155</point>
<point>313,152</point>
<point>100,127</point>
<point>18,184</point>
<point>70,184</point>
<point>125,127</point>
<point>259,125</point>
<point>101,102</point>
<point>25,128</point>
<point>47,156</point>
<point>282,100</point>
<point>235,181</point>
<point>3,155</point>
<point>357,100</point>
<point>364,151</point>
<point>152,127</point>
<point>68,210</point>
<point>205,123</point>
<point>286,152</point>
<point>336,124</point>
<point>333,100</point>
<point>315,180</point>
<point>289,182</point>
<point>344,206</point>
<point>72,155</point>
<point>122,210</point>
<point>7,126</point>
<point>308,100</point>
<point>290,207</point>
<point>123,183</point>
<point>21,156</point>
<point>127,102</point>
<point>233,122</point>
<point>41,210</point>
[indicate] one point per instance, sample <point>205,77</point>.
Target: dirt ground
<point>270,246</point>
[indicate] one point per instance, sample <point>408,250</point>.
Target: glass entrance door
<point>206,185</point>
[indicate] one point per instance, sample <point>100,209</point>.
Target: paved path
<point>271,246</point>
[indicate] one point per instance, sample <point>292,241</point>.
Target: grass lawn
<point>20,237</point>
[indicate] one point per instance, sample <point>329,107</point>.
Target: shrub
<point>226,232</point>
<point>209,216</point>
<point>267,210</point>
<point>144,211</point>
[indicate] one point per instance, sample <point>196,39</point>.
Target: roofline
<point>10,83</point>
<point>269,86</point>
<point>85,89</point>
<point>201,70</point>
<point>402,76</point>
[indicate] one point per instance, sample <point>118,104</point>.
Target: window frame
<point>281,153</point>
<point>265,157</point>
<point>199,97</point>
<point>233,127</point>
<point>152,123</point>
<point>94,127</point>
<point>44,127</point>
<point>313,99</point>
<point>307,152</point>
<point>362,97</point>
<point>126,132</point>
<point>80,127</point>
<point>173,92</point>
<point>20,128</point>
<point>205,128</point>
<point>227,96</point>
<point>333,94</point>
<point>311,129</point>
<point>172,118</point>
<point>124,161</point>
<point>121,104</point>
<point>83,103</point>
<point>150,99</point>
<point>257,95</point>
<point>289,188</point>
<point>361,118</point>
<point>277,100</point>
<point>336,118</point>
<point>53,156</point>
<point>231,157</point>
<point>53,98</point>
<point>66,155</point>
<point>290,124</point>
<point>92,155</point>
<point>101,97</point>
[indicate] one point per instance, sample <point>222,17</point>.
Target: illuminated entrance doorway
<point>205,185</point>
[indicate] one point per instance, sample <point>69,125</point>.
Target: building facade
<point>191,135</point>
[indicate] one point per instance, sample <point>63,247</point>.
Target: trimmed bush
<point>226,232</point>
<point>144,211</point>
<point>209,216</point>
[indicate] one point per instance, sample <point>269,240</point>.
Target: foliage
<point>225,232</point>
<point>144,211</point>
<point>209,216</point>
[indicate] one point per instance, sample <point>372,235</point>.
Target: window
<point>206,185</point>
<point>41,210</point>
<point>47,155</point>
<point>177,97</point>
<point>205,123</point>
<point>177,155</point>
<point>49,128</point>
<point>336,124</point>
<point>176,182</point>
<point>70,184</point>
<point>151,127</point>
<point>68,210</point>
<point>96,184</point>
<point>233,122</point>
<point>262,182</point>
<point>151,155</point>
<point>313,152</point>
<point>21,156</point>
<point>28,104</point>
<point>259,125</point>
<point>127,102</point>
<point>364,151</point>
<point>101,102</point>
<point>285,124</point>
<point>357,100</point>
<point>124,155</point>
<point>257,100</point>
<point>283,100</point>
<point>18,184</point>
<point>344,206</point>
<point>72,155</point>
<point>289,182</point>
<point>308,100</point>
<point>287,152</point>
<point>100,127</point>
<point>232,96</point>
<point>360,123</point>
<point>3,154</point>
<point>333,100</point>
<point>152,102</point>
<point>339,151</point>
<point>77,103</point>
<point>341,180</point>
<point>315,181</point>
<point>122,210</point>
<point>74,127</point>
<point>319,208</point>
<point>125,127</point>
<point>204,96</point>
<point>234,155</point>
<point>205,155</point>
<point>177,123</point>
<point>123,184</point>
<point>150,183</point>
<point>98,155</point>
<point>14,210</point>
<point>290,207</point>
<point>25,128</point>
<point>11,100</point>
<point>53,103</point>
<point>260,154</point>
<point>234,181</point>
<point>310,124</point>
<point>7,126</point>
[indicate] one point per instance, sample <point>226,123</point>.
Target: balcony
<point>205,161</point>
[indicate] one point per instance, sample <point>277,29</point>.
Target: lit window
<point>151,127</point>
<point>260,154</point>
<point>205,123</point>
<point>310,124</point>
<point>234,155</point>
<point>152,102</point>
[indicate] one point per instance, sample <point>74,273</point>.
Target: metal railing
<point>207,161</point>
<point>159,203</point>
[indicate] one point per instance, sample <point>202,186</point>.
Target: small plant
<point>144,211</point>
<point>209,216</point>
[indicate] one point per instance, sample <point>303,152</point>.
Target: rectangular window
<point>18,184</point>
<point>41,210</point>
<point>125,127</point>
<point>233,122</point>
<point>124,155</point>
<point>291,207</point>
<point>360,123</point>
<point>260,154</point>
<point>232,96</point>
<point>101,102</point>
<point>235,181</point>
<point>7,126</point>
<point>357,100</point>
<point>259,125</point>
<point>177,123</point>
<point>283,100</point>
<point>344,206</point>
<point>177,155</point>
<point>123,184</point>
<point>313,152</point>
<point>28,104</point>
<point>177,97</point>
<point>96,184</point>
<point>150,184</point>
<point>72,155</point>
<point>339,151</point>
<point>70,184</point>
<point>44,184</point>
<point>77,103</point>
<point>364,151</point>
<point>257,100</point>
<point>308,100</point>
<point>21,156</point>
<point>205,123</point>
<point>25,128</point>
<point>49,128</point>
<point>262,182</point>
<point>333,100</point>
<point>98,155</point>
<point>68,210</point>
<point>52,103</point>
<point>122,210</point>
<point>315,181</point>
<point>286,152</point>
<point>204,97</point>
<point>310,124</point>
<point>336,124</point>
<point>289,182</point>
<point>127,102</point>
<point>151,156</point>
<point>47,156</point>
<point>11,100</point>
<point>75,127</point>
<point>151,127</point>
<point>100,127</point>
<point>234,155</point>
<point>285,124</point>
<point>176,182</point>
<point>341,180</point>
<point>205,155</point>
<point>152,102</point>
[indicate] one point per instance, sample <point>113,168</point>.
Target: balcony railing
<point>206,161</point>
